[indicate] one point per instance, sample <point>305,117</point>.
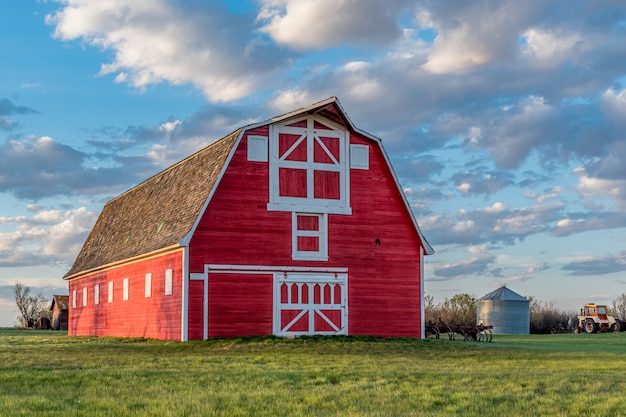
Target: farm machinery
<point>478,333</point>
<point>594,318</point>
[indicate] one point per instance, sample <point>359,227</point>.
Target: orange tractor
<point>594,318</point>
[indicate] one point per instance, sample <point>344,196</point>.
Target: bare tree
<point>618,306</point>
<point>545,316</point>
<point>30,306</point>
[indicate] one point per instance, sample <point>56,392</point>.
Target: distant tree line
<point>544,315</point>
<point>459,309</point>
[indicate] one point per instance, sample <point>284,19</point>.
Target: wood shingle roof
<point>156,214</point>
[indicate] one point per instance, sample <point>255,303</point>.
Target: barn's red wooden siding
<point>240,305</point>
<point>196,309</point>
<point>384,291</point>
<point>157,316</point>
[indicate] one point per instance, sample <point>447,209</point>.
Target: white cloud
<point>313,24</point>
<point>462,44</point>
<point>49,236</point>
<point>160,41</point>
<point>551,47</point>
<point>593,187</point>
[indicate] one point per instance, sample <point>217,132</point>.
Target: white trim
<point>84,296</point>
<point>194,276</point>
<point>422,308</point>
<point>73,298</point>
<point>184,297</point>
<point>255,269</point>
<point>125,262</point>
<point>125,289</point>
<point>96,294</point>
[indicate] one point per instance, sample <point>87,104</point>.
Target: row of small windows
<point>169,274</point>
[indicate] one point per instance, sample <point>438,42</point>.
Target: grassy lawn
<point>48,373</point>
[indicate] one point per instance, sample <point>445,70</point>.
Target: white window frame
<point>310,135</point>
<point>169,278</point>
<point>148,288</point>
<point>73,298</point>
<point>321,234</point>
<point>84,296</point>
<point>96,294</point>
<point>125,289</point>
<point>110,295</point>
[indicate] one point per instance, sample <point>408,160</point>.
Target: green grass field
<point>45,373</point>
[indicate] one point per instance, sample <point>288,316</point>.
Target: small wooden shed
<point>296,225</point>
<point>59,308</point>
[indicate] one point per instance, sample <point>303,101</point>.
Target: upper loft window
<point>308,166</point>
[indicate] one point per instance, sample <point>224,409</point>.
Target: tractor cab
<point>594,310</point>
<point>594,318</point>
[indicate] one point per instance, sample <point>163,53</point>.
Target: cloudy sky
<point>504,120</point>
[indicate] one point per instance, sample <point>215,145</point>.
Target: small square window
<point>257,148</point>
<point>359,157</point>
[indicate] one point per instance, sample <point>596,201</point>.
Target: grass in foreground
<point>46,373</point>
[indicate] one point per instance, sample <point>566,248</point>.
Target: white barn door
<point>310,304</point>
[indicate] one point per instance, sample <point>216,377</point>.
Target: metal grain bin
<point>505,310</point>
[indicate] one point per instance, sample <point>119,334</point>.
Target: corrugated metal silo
<point>505,310</point>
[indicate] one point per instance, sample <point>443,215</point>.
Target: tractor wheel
<point>615,327</point>
<point>591,326</point>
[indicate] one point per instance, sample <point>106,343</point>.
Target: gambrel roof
<point>161,212</point>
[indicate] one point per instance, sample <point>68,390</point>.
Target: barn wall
<point>377,243</point>
<point>196,310</point>
<point>157,316</point>
<point>240,305</point>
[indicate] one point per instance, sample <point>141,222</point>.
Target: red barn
<point>292,226</point>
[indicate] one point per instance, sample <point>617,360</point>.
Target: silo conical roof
<point>503,294</point>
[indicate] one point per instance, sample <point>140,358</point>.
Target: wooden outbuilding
<point>59,308</point>
<point>292,226</point>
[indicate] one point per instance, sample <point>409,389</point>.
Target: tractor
<point>594,318</point>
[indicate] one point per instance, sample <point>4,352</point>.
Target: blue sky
<point>504,121</point>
